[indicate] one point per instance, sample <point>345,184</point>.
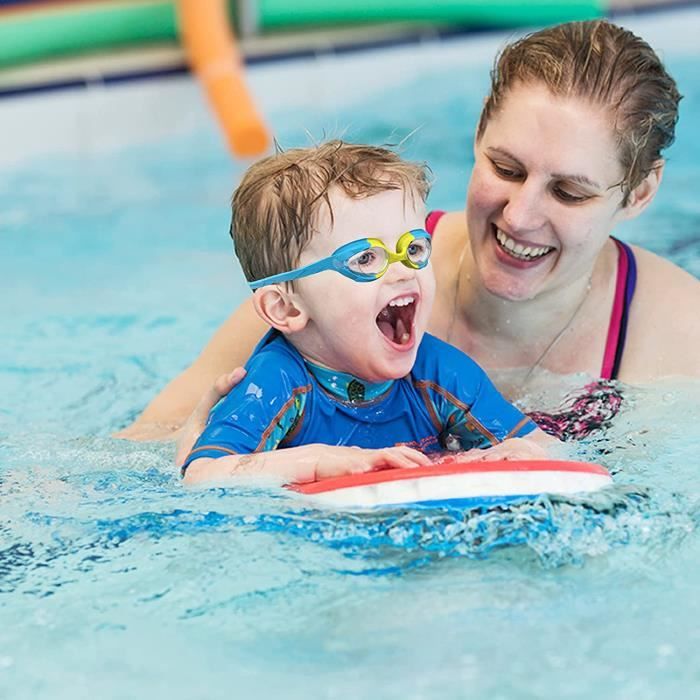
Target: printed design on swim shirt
<point>460,428</point>
<point>448,413</point>
<point>356,391</point>
<point>286,422</point>
<point>347,387</point>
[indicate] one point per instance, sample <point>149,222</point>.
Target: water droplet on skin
<point>255,390</point>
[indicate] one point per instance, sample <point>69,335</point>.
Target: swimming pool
<point>116,582</point>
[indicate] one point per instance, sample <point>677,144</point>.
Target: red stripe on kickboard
<point>445,468</point>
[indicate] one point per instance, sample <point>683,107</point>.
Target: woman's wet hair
<point>275,209</point>
<point>607,65</point>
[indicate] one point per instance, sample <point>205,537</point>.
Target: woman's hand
<point>193,427</point>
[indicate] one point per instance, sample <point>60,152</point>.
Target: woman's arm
<point>228,348</point>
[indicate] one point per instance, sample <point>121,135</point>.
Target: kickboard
<point>468,484</point>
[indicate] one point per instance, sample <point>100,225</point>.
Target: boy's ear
<point>280,308</point>
<point>643,194</point>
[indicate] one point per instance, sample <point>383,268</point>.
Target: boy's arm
<point>301,464</point>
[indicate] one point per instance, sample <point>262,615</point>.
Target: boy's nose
<point>397,272</point>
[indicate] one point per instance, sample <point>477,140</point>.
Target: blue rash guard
<point>446,402</point>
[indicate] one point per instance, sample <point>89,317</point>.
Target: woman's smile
<point>519,253</point>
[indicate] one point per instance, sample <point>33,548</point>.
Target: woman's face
<point>544,193</point>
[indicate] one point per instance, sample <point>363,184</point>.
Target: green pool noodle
<point>44,33</point>
<point>283,13</point>
<point>40,34</point>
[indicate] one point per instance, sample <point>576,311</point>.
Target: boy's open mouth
<point>395,320</point>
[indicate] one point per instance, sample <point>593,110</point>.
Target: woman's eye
<point>567,197</point>
<point>505,171</point>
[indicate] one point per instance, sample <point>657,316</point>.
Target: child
<point>331,241</point>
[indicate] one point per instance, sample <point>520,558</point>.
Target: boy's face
<point>369,329</point>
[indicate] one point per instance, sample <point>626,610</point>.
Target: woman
<point>569,144</point>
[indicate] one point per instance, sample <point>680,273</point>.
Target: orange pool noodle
<point>212,51</point>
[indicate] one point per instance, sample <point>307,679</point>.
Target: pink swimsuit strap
<point>624,292</point>
<point>431,221</point>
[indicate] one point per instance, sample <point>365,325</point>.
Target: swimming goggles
<point>364,260</point>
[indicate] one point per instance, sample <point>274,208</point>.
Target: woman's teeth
<point>518,250</point>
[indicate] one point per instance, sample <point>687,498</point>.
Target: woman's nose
<point>524,210</point>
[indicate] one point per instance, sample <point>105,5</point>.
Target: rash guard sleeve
<point>259,412</point>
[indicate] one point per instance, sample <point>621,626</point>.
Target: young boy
<point>331,241</point>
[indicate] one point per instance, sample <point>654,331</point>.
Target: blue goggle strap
<point>336,261</point>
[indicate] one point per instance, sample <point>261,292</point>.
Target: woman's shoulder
<point>664,322</point>
<point>664,290</point>
<point>654,268</point>
<point>449,240</point>
<point>447,223</point>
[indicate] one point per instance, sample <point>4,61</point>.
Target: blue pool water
<point>115,582</point>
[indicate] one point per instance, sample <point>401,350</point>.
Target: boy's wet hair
<point>610,67</point>
<point>276,206</point>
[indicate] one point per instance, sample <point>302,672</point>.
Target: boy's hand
<point>512,449</point>
<point>336,461</point>
<point>197,421</point>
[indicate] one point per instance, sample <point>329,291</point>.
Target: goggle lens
<point>370,263</point>
<point>418,252</point>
